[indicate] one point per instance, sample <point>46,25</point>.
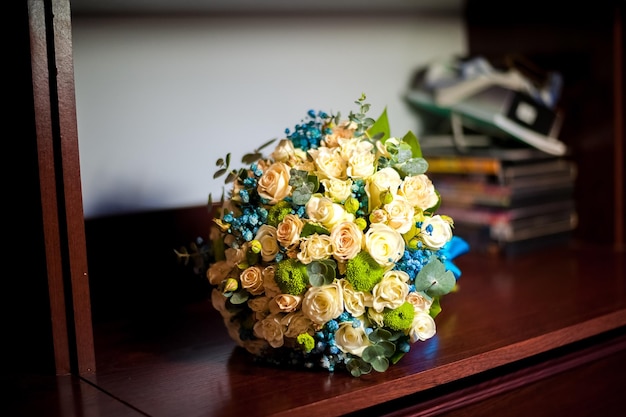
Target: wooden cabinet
<point>543,333</point>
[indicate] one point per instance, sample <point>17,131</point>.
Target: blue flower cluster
<point>308,134</point>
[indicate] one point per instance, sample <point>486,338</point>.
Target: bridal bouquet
<point>329,253</point>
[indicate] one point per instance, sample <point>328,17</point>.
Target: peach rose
<point>347,241</point>
<point>274,183</point>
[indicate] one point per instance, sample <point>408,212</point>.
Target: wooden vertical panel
<point>47,174</point>
<point>618,106</point>
<point>74,218</point>
<point>61,195</point>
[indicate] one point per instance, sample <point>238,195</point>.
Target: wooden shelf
<point>509,315</point>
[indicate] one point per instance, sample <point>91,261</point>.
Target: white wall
<point>159,100</point>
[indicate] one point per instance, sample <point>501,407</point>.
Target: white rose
<point>422,328</point>
<point>322,210</point>
<point>284,303</point>
<point>350,339</point>
<point>391,291</point>
<point>288,230</point>
<point>354,301</point>
<point>267,236</point>
<point>252,280</point>
<point>314,248</point>
<point>296,323</point>
<point>324,303</point>
<point>337,190</point>
<point>385,180</point>
<point>401,214</point>
<point>347,241</point>
<point>271,330</point>
<point>435,232</point>
<point>419,191</point>
<point>329,163</point>
<point>384,244</point>
<point>274,183</point>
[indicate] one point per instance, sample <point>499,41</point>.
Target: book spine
<point>456,165</point>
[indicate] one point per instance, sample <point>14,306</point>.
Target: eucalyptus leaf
<point>380,364</point>
<point>414,166</point>
<point>434,280</point>
<point>239,297</point>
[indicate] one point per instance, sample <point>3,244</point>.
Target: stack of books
<point>509,201</point>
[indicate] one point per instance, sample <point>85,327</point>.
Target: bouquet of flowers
<point>329,253</point>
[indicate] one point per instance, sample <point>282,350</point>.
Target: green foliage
<point>239,297</point>
<point>357,367</point>
<point>434,280</point>
<point>255,155</point>
<point>378,355</point>
<point>291,277</point>
<point>360,118</point>
<point>199,254</point>
<point>321,272</point>
<point>303,184</point>
<point>277,212</point>
<point>380,129</point>
<point>399,318</point>
<point>435,307</point>
<point>363,272</point>
<point>313,228</point>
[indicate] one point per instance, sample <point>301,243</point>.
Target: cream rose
<point>391,291</point>
<point>422,328</point>
<point>288,230</point>
<point>419,191</point>
<point>274,183</point>
<point>351,339</point>
<point>296,323</point>
<point>324,303</point>
<point>337,190</point>
<point>284,303</point>
<point>218,300</point>
<point>260,307</point>
<point>322,210</point>
<point>314,248</point>
<point>271,330</point>
<point>384,244</point>
<point>354,301</point>
<point>385,180</point>
<point>361,165</point>
<point>401,214</point>
<point>267,235</point>
<point>284,151</point>
<point>269,283</point>
<point>218,271</point>
<point>347,241</point>
<point>435,232</point>
<point>329,163</point>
